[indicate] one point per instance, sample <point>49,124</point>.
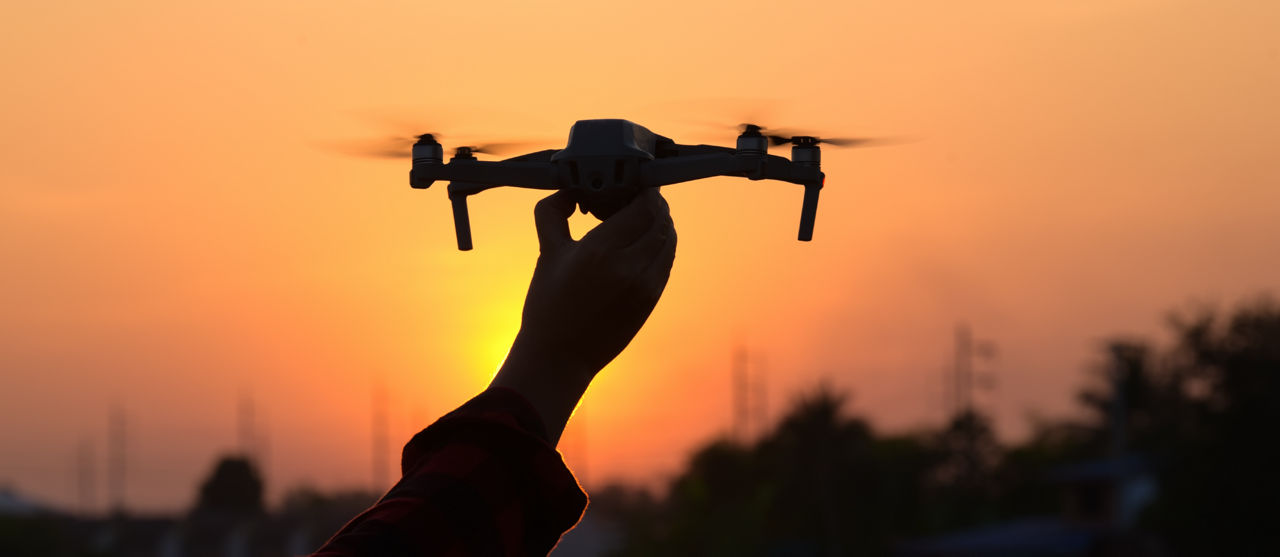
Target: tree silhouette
<point>1202,413</point>
<point>820,483</point>
<point>234,488</point>
<point>1219,484</point>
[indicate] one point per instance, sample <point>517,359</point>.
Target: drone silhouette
<point>607,162</point>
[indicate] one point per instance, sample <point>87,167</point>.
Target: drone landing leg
<point>809,211</point>
<point>461,220</point>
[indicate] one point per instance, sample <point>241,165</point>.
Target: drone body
<point>607,162</point>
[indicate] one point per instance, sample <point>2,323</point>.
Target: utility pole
<point>760,394</point>
<point>251,433</point>
<point>84,476</point>
<point>248,441</point>
<point>963,370</point>
<point>749,388</point>
<point>964,379</point>
<point>262,445</point>
<point>116,453</point>
<point>379,424</point>
<point>740,386</point>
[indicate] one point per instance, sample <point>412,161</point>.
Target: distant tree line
<point>1203,412</point>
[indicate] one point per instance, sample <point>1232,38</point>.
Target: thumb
<point>551,216</point>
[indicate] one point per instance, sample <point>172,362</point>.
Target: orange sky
<point>174,232</point>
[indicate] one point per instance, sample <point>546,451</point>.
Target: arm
<point>587,300</point>
<point>486,479</point>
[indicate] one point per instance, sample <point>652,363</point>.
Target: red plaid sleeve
<point>481,481</point>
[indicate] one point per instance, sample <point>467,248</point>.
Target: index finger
<point>551,217</point>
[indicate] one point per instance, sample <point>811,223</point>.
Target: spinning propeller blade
<point>501,148</point>
<point>393,147</point>
<point>779,136</point>
<point>401,147</point>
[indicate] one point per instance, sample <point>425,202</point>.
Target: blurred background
<point>1010,336</point>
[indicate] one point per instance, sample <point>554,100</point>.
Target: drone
<point>607,162</point>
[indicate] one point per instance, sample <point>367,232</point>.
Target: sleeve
<point>481,481</point>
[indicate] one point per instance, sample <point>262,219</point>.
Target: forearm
<point>553,393</point>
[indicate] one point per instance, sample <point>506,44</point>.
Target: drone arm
<point>537,175</point>
<point>537,156</point>
<point>807,175</point>
<point>674,170</point>
<point>471,177</point>
<point>664,172</point>
<point>458,193</point>
<point>777,168</point>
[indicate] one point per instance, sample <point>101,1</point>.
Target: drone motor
<point>805,151</point>
<point>751,142</point>
<point>427,150</point>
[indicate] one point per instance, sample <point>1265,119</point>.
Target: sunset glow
<point>177,231</point>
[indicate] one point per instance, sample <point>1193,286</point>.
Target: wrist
<point>552,387</point>
<point>548,363</point>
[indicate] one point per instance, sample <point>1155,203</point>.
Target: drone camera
<point>604,184</point>
<point>599,174</point>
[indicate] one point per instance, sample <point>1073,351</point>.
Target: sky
<point>181,230</point>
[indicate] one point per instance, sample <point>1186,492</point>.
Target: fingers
<point>629,224</point>
<point>652,241</point>
<point>551,217</point>
<point>654,278</point>
<point>646,287</point>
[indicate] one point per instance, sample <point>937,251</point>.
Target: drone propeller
<point>393,147</point>
<point>779,137</point>
<point>832,141</point>
<point>401,147</point>
<point>497,148</point>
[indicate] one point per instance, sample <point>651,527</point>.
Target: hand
<point>587,300</point>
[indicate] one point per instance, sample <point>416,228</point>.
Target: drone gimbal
<point>607,162</point>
